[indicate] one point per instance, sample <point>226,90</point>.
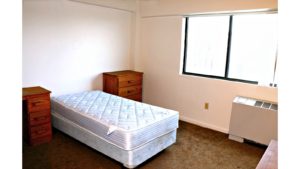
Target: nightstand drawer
<point>132,90</point>
<point>124,83</point>
<point>136,97</point>
<point>39,117</point>
<point>132,80</point>
<point>40,131</point>
<point>39,103</point>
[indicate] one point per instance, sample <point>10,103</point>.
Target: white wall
<point>179,7</point>
<point>67,44</point>
<point>128,5</point>
<point>160,60</point>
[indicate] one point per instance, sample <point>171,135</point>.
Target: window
<point>233,47</point>
<point>207,45</point>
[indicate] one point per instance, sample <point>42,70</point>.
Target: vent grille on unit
<point>256,103</point>
<point>253,119</point>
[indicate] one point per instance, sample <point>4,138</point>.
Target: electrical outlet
<point>206,105</point>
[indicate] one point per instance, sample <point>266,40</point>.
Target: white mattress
<point>125,123</point>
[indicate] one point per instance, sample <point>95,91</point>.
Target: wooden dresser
<point>270,158</point>
<point>36,115</point>
<point>126,83</point>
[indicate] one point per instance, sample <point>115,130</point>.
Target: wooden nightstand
<point>126,83</point>
<point>36,115</point>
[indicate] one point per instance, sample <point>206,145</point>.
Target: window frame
<point>225,77</point>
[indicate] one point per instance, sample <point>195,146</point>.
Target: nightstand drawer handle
<point>130,81</point>
<point>37,103</point>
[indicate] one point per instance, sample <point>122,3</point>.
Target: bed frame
<point>129,158</point>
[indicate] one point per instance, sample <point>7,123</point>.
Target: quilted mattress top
<point>124,122</point>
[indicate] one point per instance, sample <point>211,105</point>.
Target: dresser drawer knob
<point>130,81</point>
<point>40,118</point>
<point>41,131</point>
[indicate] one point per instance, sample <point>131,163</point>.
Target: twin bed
<point>128,131</point>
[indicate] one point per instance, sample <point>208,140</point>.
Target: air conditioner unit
<point>254,120</point>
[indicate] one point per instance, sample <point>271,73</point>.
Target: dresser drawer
<point>39,103</point>
<point>40,131</point>
<point>130,80</point>
<point>132,90</point>
<point>40,140</point>
<point>39,117</point>
<point>36,115</point>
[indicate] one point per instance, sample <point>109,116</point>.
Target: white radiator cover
<point>254,120</point>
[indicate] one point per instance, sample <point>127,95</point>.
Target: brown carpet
<point>195,148</point>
